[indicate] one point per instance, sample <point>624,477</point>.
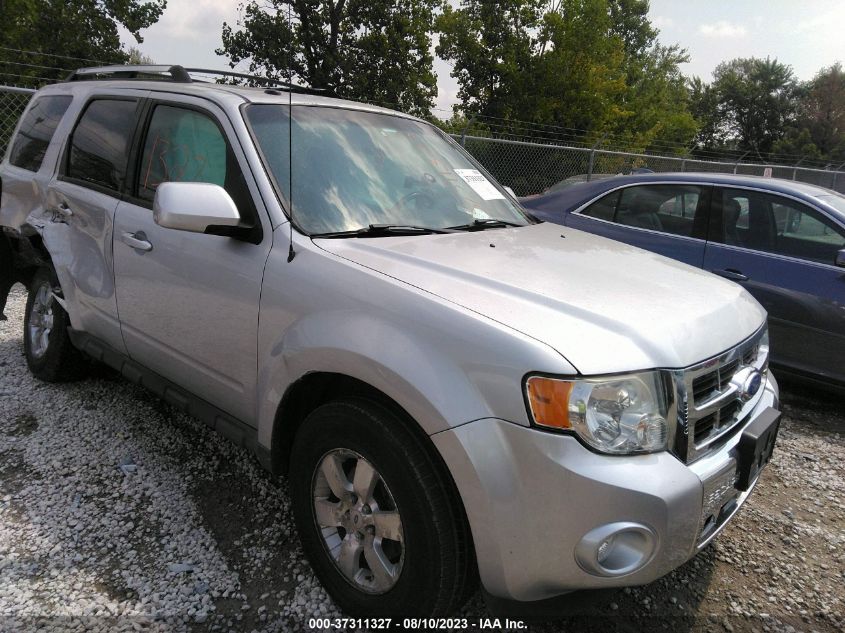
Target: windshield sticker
<point>479,184</point>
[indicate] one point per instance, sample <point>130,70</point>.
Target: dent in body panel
<point>80,247</point>
<point>443,364</point>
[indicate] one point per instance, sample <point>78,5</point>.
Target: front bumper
<point>531,497</point>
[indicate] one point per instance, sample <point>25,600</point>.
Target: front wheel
<point>49,352</point>
<point>378,518</point>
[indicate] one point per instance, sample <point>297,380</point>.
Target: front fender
<point>444,365</point>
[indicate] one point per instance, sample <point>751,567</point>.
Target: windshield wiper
<point>487,223</point>
<point>381,230</point>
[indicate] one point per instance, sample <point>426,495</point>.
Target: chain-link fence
<point>530,168</point>
<point>12,104</point>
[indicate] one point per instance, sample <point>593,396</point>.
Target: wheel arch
<point>320,387</point>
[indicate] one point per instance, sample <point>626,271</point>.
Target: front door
<point>783,252</point>
<point>188,302</point>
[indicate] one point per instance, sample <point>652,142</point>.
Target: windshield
<point>354,169</point>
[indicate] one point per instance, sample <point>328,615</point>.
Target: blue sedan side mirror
<point>840,258</point>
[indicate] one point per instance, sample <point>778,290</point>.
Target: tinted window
<point>665,208</point>
<point>604,209</point>
<point>187,146</point>
<point>779,225</point>
<point>36,131</point>
<point>100,143</point>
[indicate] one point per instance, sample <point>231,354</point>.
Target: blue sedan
<point>783,241</point>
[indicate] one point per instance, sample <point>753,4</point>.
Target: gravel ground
<point>119,513</point>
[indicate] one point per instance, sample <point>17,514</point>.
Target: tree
<point>822,112</point>
<point>588,65</point>
<point>375,51</point>
<point>493,51</point>
<point>67,34</point>
<point>136,57</point>
<point>756,101</point>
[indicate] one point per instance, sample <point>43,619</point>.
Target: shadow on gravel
<point>809,406</point>
<point>229,509</point>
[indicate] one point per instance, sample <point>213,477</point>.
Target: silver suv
<point>453,390</point>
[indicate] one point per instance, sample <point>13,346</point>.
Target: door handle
<point>732,274</point>
<point>138,241</point>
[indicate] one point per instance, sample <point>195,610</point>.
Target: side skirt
<point>235,430</point>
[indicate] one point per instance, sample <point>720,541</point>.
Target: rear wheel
<point>49,352</point>
<point>378,518</point>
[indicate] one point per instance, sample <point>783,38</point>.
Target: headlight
<point>618,414</point>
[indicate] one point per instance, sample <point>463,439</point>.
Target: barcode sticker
<point>479,184</point>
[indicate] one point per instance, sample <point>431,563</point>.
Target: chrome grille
<point>710,405</point>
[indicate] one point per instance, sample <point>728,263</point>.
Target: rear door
<point>783,252</point>
<point>189,302</point>
<point>81,203</point>
<point>669,219</point>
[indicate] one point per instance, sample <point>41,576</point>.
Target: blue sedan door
<point>783,252</point>
<point>668,219</point>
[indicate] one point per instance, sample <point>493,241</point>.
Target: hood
<point>603,305</point>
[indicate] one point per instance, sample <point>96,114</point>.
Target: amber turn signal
<point>549,401</point>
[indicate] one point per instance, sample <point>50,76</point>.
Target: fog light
<point>616,549</point>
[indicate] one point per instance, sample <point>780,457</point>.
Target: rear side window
<point>36,131</point>
<point>668,209</point>
<point>99,147</point>
<point>604,209</point>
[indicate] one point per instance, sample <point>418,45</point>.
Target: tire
<point>430,553</point>
<point>49,352</point>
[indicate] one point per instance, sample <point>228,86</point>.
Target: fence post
<point>738,160</point>
<point>835,174</point>
<point>464,132</point>
<point>592,160</point>
<point>795,169</point>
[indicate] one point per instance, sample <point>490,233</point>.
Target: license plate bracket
<point>756,445</point>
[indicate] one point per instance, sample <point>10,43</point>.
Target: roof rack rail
<point>178,74</point>
<point>128,71</point>
<point>258,78</point>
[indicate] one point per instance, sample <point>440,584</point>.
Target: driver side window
<point>183,145</point>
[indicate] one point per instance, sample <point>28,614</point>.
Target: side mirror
<point>194,207</point>
<point>840,258</point>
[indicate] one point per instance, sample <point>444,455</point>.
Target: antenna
<point>291,252</point>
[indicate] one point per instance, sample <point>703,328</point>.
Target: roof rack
<point>177,74</point>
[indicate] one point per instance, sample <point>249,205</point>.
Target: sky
<point>805,34</point>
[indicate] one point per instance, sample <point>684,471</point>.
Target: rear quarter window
<point>36,131</point>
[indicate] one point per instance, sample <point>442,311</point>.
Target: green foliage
<point>367,50</point>
<point>136,57</point>
<point>84,29</point>
<point>755,102</point>
<point>796,144</point>
<point>822,112</point>
<point>592,66</point>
